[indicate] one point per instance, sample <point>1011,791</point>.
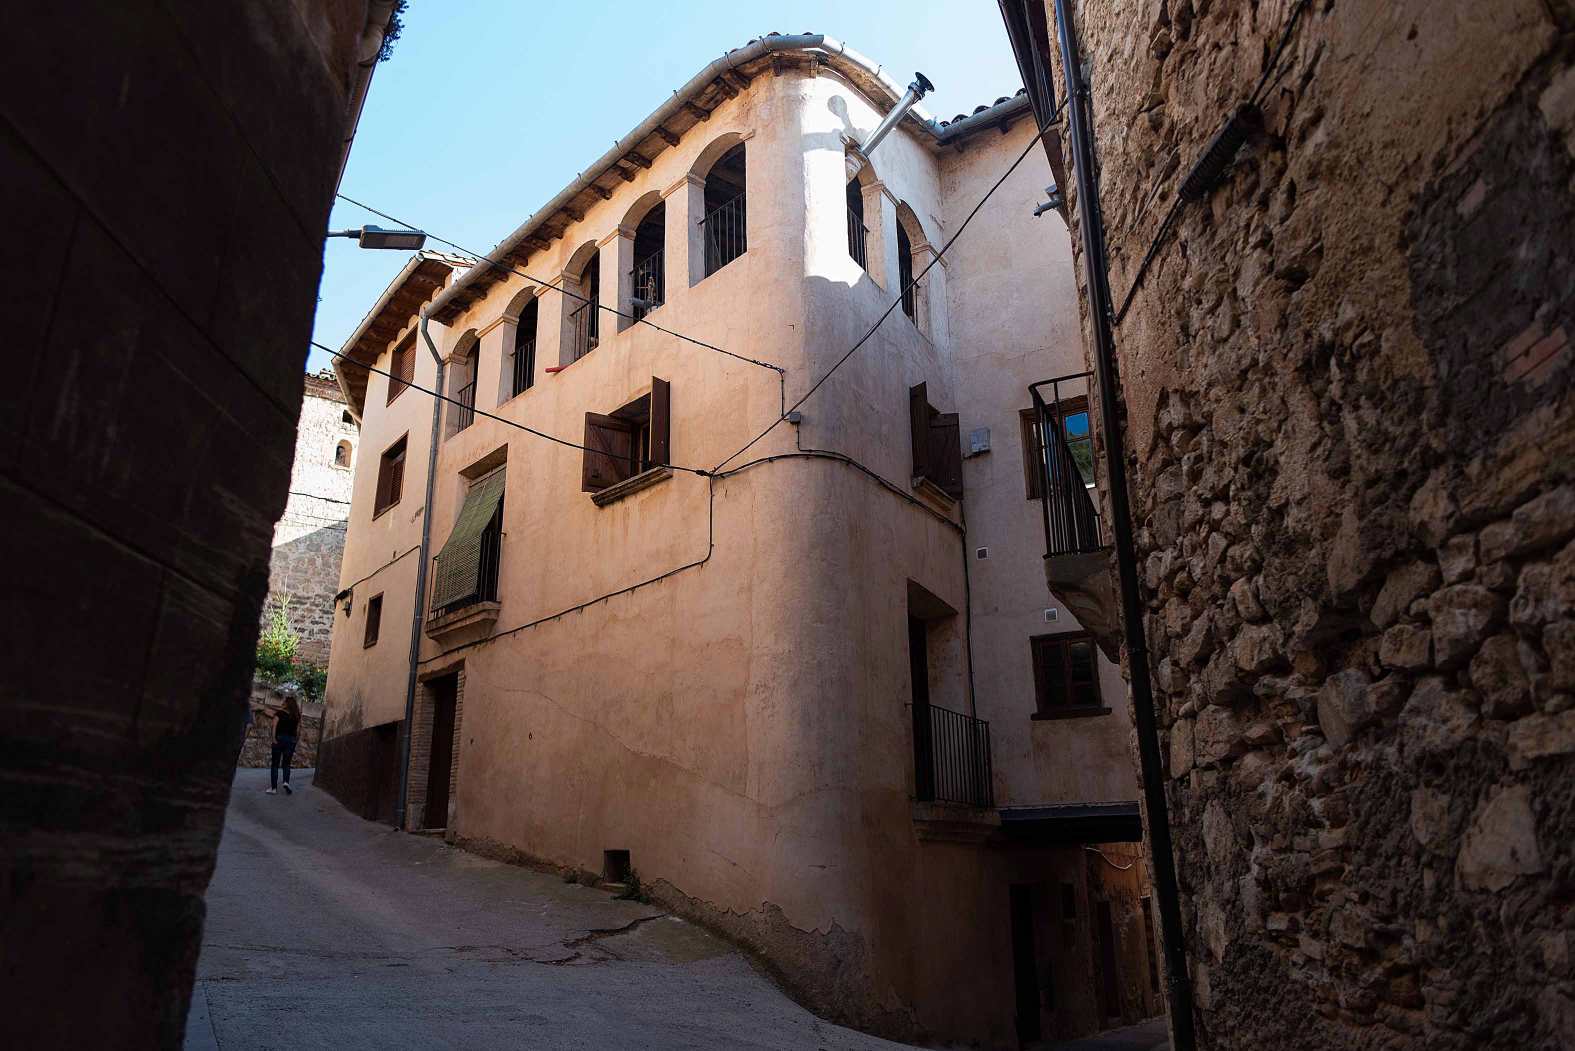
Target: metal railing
<point>726,237</point>
<point>650,284</point>
<point>951,757</point>
<point>858,235</point>
<point>490,558</point>
<point>1065,466</point>
<point>465,411</point>
<point>587,324</point>
<point>524,365</point>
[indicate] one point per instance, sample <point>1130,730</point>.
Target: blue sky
<point>490,107</point>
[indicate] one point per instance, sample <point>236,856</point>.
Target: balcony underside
<point>1082,582</point>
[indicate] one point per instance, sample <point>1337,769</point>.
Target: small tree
<point>277,643</point>
<point>311,679</point>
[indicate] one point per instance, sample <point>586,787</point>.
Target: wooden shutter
<point>609,444</point>
<point>946,453</point>
<point>1033,454</point>
<point>661,421</point>
<point>919,429</point>
<point>402,368</point>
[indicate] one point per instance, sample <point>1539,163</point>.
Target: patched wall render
<point>1348,390</point>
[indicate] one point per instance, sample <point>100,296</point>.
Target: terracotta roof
<point>423,276</point>
<point>1002,101</point>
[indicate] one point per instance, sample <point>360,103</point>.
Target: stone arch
<point>344,453</point>
<point>865,201</point>
<point>464,366</point>
<point>521,330</point>
<point>714,151</point>
<point>580,316</point>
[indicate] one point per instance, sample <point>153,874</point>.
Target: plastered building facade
<point>683,661</point>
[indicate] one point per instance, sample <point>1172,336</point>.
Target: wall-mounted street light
<point>377,237</point>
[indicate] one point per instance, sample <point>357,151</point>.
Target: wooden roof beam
<point>636,159</point>
<point>666,136</point>
<point>697,112</point>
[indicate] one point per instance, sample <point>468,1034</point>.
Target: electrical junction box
<point>978,441</point>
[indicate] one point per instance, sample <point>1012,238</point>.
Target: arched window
<point>726,234</point>
<point>342,453</point>
<point>857,231</point>
<point>523,353</point>
<point>585,316</point>
<point>462,382</point>
<point>650,278</point>
<point>910,297</point>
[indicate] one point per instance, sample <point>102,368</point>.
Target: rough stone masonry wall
<point>309,538</point>
<point>1348,383</point>
<point>166,172</point>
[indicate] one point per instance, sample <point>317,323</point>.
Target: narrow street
<point>326,931</point>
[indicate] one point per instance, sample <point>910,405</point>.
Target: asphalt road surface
<point>326,931</point>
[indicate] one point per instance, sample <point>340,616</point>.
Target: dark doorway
<point>923,746</point>
<point>1025,975</point>
<point>444,693</point>
<point>1109,978</point>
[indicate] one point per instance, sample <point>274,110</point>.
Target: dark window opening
<point>1075,432</point>
<point>650,278</point>
<point>937,443</point>
<point>1025,973</point>
<point>524,354</point>
<point>615,866</point>
<point>374,620</point>
<point>630,441</point>
<point>390,478</point>
<point>726,232</point>
<point>1066,675</point>
<point>402,369</point>
<point>585,318</point>
<point>910,299</point>
<point>345,417</point>
<point>342,454</point>
<point>858,233</point>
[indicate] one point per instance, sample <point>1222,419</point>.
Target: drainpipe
<point>421,583</point>
<point>1096,274</point>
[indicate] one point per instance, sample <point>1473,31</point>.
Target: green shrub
<point>277,643</point>
<point>311,679</point>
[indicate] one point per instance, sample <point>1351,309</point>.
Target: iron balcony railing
<point>726,237</point>
<point>465,411</point>
<point>490,556</point>
<point>524,366</point>
<point>587,323</point>
<point>650,284</point>
<point>951,757</point>
<point>1065,465</point>
<point>858,236</point>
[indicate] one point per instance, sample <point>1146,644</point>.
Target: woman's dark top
<point>285,724</point>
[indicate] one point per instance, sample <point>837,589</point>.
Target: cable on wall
<point>506,268</point>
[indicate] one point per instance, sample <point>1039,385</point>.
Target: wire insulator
<point>1222,149</point>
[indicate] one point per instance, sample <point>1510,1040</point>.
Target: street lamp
<point>377,237</point>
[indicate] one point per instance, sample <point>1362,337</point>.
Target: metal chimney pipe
<point>920,87</point>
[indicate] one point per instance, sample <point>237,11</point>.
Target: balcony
<point>951,758</point>
<point>1077,549</point>
<point>464,591</point>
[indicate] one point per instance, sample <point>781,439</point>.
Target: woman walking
<point>286,726</point>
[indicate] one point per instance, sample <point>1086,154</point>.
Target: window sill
<point>924,487</point>
<point>1087,712</point>
<point>643,480</point>
<point>483,614</point>
<point>379,514</point>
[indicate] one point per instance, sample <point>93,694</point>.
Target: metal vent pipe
<point>920,87</point>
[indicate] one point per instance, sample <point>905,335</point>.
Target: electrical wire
<point>914,283</point>
<point>1168,223</point>
<point>564,291</point>
<point>351,587</point>
<point>491,416</point>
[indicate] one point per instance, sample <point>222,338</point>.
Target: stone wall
<point>309,538</point>
<point>1349,392</point>
<point>167,171</point>
<point>257,749</point>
